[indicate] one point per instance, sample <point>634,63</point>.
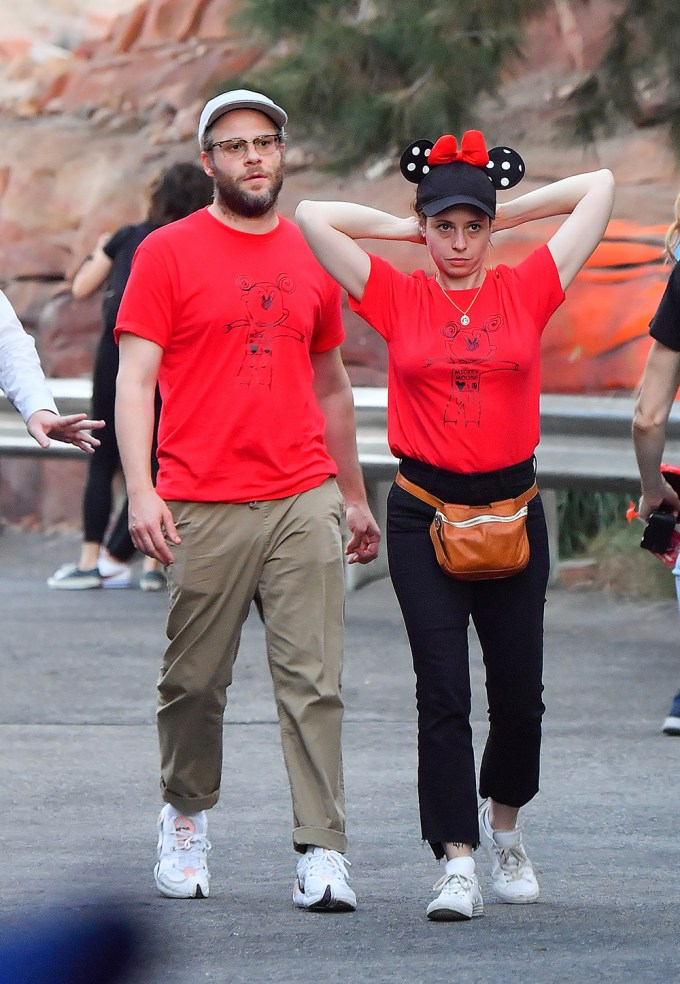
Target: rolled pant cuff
<point>191,805</point>
<point>318,837</point>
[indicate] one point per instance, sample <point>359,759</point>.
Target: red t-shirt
<point>463,397</point>
<point>237,316</point>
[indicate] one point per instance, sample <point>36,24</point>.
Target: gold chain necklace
<point>465,321</point>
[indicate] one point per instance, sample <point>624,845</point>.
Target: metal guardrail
<point>585,440</point>
<point>585,444</point>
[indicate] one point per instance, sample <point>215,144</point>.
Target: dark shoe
<point>153,581</point>
<point>71,578</point>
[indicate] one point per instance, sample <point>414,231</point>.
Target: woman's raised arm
<point>331,229</point>
<point>587,201</point>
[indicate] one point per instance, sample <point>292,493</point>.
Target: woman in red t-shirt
<point>463,419</point>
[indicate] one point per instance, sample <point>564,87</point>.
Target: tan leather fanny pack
<point>474,543</point>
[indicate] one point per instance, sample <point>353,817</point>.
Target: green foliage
<point>367,77</point>
<point>627,570</point>
<point>594,525</point>
<point>641,57</point>
<point>584,515</point>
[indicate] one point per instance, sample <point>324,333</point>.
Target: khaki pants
<point>290,551</point>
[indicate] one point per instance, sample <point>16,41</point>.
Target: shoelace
<point>513,862</point>
<point>194,850</point>
<point>329,859</point>
<point>463,884</point>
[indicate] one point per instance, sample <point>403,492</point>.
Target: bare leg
<point>89,555</point>
<point>502,817</point>
<point>454,850</point>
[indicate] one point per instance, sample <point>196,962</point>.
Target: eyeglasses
<point>237,146</point>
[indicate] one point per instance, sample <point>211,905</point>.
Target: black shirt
<point>665,325</point>
<point>120,249</point>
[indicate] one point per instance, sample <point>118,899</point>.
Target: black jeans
<point>508,617</point>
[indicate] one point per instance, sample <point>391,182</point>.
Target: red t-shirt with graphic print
<point>463,397</point>
<point>237,316</point>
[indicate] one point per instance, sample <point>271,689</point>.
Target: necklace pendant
<point>465,321</point>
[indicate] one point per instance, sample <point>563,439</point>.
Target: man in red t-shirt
<point>230,313</point>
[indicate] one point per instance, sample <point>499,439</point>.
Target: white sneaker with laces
<point>512,875</point>
<point>321,883</point>
<point>459,895</point>
<point>182,868</point>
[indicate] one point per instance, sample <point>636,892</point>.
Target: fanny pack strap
<point>432,500</point>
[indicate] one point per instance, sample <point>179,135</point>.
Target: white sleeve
<point>21,375</point>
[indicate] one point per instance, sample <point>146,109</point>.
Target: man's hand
<point>363,545</point>
<point>74,429</point>
<point>151,523</point>
<point>652,499</point>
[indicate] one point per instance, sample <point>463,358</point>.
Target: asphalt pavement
<point>79,788</point>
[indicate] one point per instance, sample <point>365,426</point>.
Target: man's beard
<point>230,196</point>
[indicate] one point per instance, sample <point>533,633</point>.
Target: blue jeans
<point>508,617</point>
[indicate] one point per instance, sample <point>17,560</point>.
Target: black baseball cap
<point>457,183</point>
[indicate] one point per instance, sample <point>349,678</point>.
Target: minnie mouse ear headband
<point>447,175</point>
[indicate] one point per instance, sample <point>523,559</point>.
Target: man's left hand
<point>363,545</point>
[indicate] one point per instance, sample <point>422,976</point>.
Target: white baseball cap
<point>239,99</point>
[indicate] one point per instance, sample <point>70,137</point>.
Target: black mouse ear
<point>413,163</point>
<point>505,167</point>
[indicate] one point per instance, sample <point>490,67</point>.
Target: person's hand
<point>363,544</point>
<point>151,525</point>
<point>413,230</point>
<point>652,499</point>
<point>74,429</point>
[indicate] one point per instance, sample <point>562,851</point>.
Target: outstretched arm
<point>23,382</point>
<point>587,201</point>
<point>657,393</point>
<point>331,229</point>
<point>334,394</point>
<point>73,429</point>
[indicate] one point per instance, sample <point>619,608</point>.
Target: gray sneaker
<point>71,578</point>
<point>153,581</point>
<point>512,874</point>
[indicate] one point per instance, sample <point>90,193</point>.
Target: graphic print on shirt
<point>265,319</point>
<point>469,352</point>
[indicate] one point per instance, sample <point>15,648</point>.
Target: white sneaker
<point>182,868</point>
<point>459,895</point>
<point>321,883</point>
<point>512,875</point>
<point>671,725</point>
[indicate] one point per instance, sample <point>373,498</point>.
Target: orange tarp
<point>598,339</point>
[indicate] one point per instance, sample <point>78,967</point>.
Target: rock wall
<point>85,132</point>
